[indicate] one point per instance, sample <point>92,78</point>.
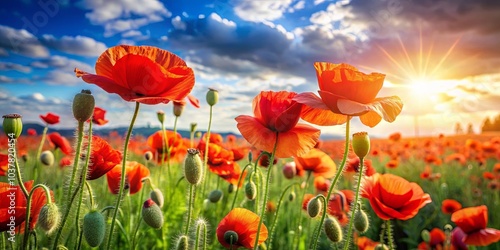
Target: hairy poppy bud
<point>161,116</point>
<point>157,196</point>
<point>148,155</point>
<point>426,235</point>
<point>47,158</point>
<point>381,246</point>
<point>152,215</point>
<point>182,243</point>
<point>231,237</point>
<point>230,188</point>
<point>289,170</point>
<point>361,222</point>
<point>291,196</point>
<point>193,167</point>
<point>12,125</point>
<point>212,97</point>
<point>193,126</point>
<point>361,144</point>
<point>250,156</point>
<point>178,108</point>
<point>215,195</point>
<point>94,228</point>
<point>83,105</point>
<point>251,190</point>
<point>333,230</point>
<point>48,218</point>
<point>314,207</point>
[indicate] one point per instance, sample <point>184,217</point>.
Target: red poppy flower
<point>275,117</point>
<point>450,206</point>
<point>457,239</point>
<point>142,74</point>
<point>395,136</point>
<point>50,118</point>
<point>8,193</point>
<point>175,144</point>
<point>102,159</point>
<point>60,142</point>
<point>473,221</point>
<point>32,132</point>
<point>437,237</point>
<point>365,243</point>
<point>339,205</point>
<point>392,164</point>
<point>98,117</point>
<point>244,223</point>
<point>392,197</point>
<point>345,91</point>
<point>321,183</point>
<point>353,166</point>
<point>317,162</point>
<point>66,161</point>
<point>4,164</point>
<point>135,174</point>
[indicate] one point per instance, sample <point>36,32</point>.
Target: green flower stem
<point>275,222</point>
<point>299,225</point>
<point>238,185</point>
<point>83,181</point>
<point>205,155</point>
<point>191,139</point>
<point>91,194</point>
<point>390,237</point>
<point>122,180</point>
<point>39,152</point>
<point>317,232</point>
<point>28,211</point>
<point>340,169</point>
<point>18,172</point>
<point>190,208</point>
<point>76,163</point>
<point>266,190</point>
<point>355,206</point>
<point>198,232</point>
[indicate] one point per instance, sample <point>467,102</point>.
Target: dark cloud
<point>21,42</point>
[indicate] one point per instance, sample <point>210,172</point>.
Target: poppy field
<point>275,185</point>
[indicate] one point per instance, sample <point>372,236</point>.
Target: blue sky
<point>442,58</point>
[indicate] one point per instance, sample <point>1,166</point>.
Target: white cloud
<point>14,66</point>
<point>21,42</point>
<point>5,79</point>
<point>79,45</point>
<point>258,11</point>
<point>131,33</point>
<point>61,63</point>
<point>3,52</point>
<point>59,77</point>
<point>178,23</point>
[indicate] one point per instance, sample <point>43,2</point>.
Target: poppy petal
<point>107,84</point>
<point>194,101</point>
<point>387,108</point>
<point>297,141</point>
<point>483,237</point>
<point>255,133</point>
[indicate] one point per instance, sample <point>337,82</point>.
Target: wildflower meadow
<point>274,185</point>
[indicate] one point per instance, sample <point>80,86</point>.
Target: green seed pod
<point>215,195</point>
<point>212,97</point>
<point>314,207</point>
<point>47,158</point>
<point>291,196</point>
<point>182,243</point>
<point>251,190</point>
<point>193,167</point>
<point>94,228</point>
<point>83,106</point>
<point>48,218</point>
<point>361,222</point>
<point>12,125</point>
<point>157,196</point>
<point>161,116</point>
<point>333,230</point>
<point>231,237</point>
<point>361,144</point>
<point>152,215</point>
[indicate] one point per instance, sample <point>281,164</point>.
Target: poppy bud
<point>152,215</point>
<point>94,228</point>
<point>231,188</point>
<point>381,246</point>
<point>83,105</point>
<point>361,222</point>
<point>231,237</point>
<point>361,144</point>
<point>289,170</point>
<point>215,195</point>
<point>193,167</point>
<point>48,218</point>
<point>250,156</point>
<point>212,97</point>
<point>333,230</point>
<point>148,155</point>
<point>47,158</point>
<point>426,235</point>
<point>251,190</point>
<point>178,108</point>
<point>157,196</point>
<point>197,134</point>
<point>193,126</point>
<point>161,116</point>
<point>12,125</point>
<point>314,207</point>
<point>291,196</point>
<point>182,243</point>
